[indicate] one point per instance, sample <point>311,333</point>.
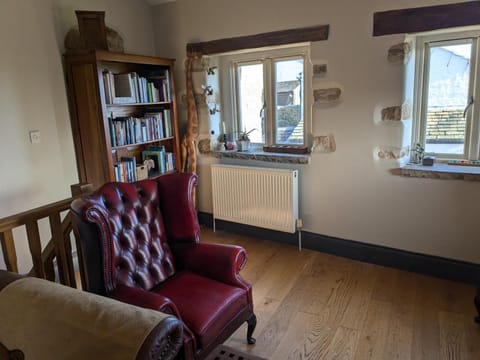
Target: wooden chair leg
<point>477,305</point>
<point>252,323</point>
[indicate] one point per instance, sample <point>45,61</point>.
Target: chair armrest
<point>163,342</point>
<point>144,299</point>
<point>219,262</point>
<point>178,207</point>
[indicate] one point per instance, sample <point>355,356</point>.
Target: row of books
<point>134,130</point>
<point>129,88</point>
<point>163,161</point>
<point>126,169</point>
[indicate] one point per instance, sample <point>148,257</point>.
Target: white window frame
<point>267,56</point>
<point>472,127</point>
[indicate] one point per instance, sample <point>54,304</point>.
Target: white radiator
<point>262,197</point>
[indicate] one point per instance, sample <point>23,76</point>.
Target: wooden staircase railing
<point>58,248</point>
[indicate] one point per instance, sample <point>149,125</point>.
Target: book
<point>161,82</point>
<point>130,164</point>
<point>107,81</point>
<point>111,126</point>
<point>157,124</point>
<point>121,132</point>
<point>124,89</point>
<point>168,88</point>
<point>128,130</point>
<point>167,123</point>
<point>143,85</point>
<point>169,161</point>
<point>157,154</point>
<point>136,91</point>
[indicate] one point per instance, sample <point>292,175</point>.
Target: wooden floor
<point>311,305</point>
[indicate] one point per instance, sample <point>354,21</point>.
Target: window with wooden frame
<point>446,115</point>
<point>264,94</point>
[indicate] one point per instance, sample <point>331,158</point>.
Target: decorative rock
<point>397,53</point>
<point>326,95</point>
<point>200,99</point>
<point>73,42</point>
<point>204,146</point>
<point>324,144</point>
<point>440,171</point>
<point>391,152</point>
<point>406,110</point>
<point>392,113</point>
<point>319,70</point>
<point>267,157</point>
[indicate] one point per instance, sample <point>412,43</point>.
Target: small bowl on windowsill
<point>243,141</point>
<point>243,145</point>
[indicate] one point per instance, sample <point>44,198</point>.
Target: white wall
<point>33,97</point>
<point>347,194</point>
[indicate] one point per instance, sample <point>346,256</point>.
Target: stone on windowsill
<point>440,171</point>
<point>263,156</point>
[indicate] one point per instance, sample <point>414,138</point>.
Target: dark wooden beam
<point>282,37</point>
<point>426,18</point>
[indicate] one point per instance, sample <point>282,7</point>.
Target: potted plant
<point>243,141</point>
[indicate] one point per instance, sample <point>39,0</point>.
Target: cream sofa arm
<point>46,320</point>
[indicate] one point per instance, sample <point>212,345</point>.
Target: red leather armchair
<point>141,245</point>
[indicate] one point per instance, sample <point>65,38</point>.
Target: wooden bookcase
<point>90,111</point>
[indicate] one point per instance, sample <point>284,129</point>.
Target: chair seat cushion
<point>206,305</point>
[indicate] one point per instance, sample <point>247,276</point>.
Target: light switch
<point>34,136</point>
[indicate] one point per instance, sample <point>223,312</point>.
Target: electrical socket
<point>299,223</point>
<point>34,136</point>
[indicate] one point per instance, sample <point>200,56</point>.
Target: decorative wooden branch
<point>189,142</point>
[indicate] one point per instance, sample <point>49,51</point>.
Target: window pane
<point>250,101</point>
<point>289,101</point>
<point>448,86</point>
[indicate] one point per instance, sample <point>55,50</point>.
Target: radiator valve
<point>299,223</point>
<point>299,228</point>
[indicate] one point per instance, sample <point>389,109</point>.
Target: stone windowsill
<point>263,156</point>
<point>442,171</point>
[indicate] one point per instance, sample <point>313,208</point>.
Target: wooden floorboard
<point>311,305</point>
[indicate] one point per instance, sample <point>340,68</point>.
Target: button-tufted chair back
<point>130,221</point>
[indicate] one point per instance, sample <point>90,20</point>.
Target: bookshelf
<point>121,105</point>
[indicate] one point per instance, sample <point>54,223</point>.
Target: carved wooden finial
<point>92,29</point>
<point>92,33</point>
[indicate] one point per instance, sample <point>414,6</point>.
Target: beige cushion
<point>50,321</point>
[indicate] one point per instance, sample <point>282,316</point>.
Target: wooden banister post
<point>35,248</point>
<point>67,228</point>
<point>9,252</point>
<point>57,237</point>
<point>81,188</point>
<point>81,259</point>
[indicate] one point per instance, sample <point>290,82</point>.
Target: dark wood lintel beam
<point>275,38</point>
<point>426,18</point>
